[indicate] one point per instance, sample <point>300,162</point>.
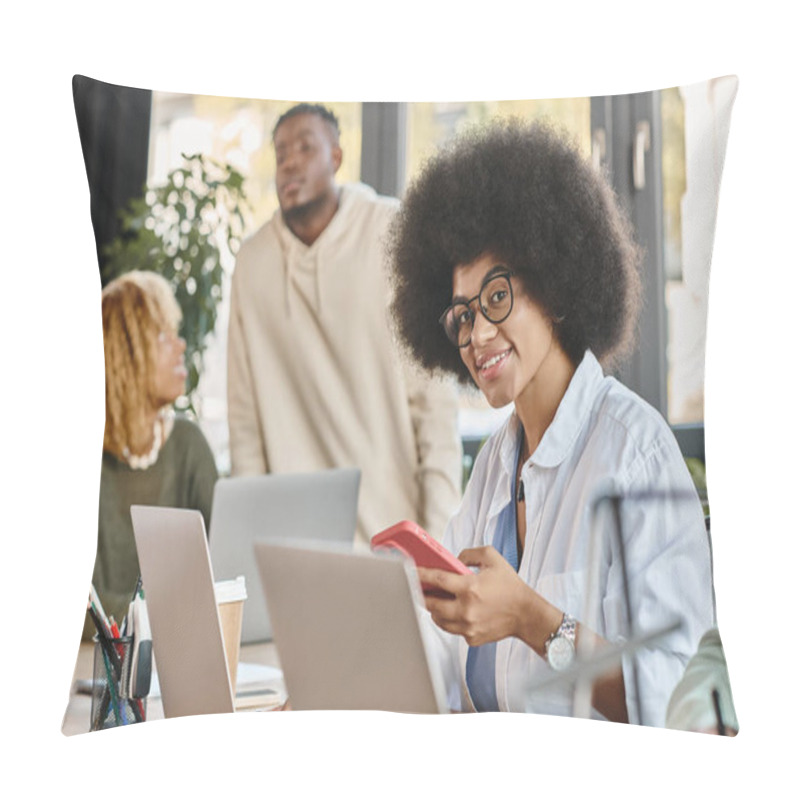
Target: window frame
<point>623,128</point>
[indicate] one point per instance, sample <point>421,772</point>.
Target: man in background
<point>315,380</point>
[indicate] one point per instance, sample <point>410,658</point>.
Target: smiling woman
<point>150,455</point>
<point>522,241</point>
<point>507,353</point>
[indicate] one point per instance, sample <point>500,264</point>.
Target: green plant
<point>184,230</point>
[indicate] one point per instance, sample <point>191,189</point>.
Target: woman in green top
<point>150,455</point>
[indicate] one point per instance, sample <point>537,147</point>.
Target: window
<point>432,124</point>
<point>666,193</point>
<point>238,132</point>
<point>690,205</point>
<point>656,147</point>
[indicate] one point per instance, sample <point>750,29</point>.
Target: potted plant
<point>184,230</point>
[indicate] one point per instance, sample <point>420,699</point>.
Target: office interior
<point>135,137</point>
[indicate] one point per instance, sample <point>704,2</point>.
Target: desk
<point>76,718</point>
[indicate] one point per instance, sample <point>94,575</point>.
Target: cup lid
<point>230,591</point>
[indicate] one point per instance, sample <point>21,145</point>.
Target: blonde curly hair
<point>137,307</point>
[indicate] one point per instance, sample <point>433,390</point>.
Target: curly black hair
<point>522,193</point>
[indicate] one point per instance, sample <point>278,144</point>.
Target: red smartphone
<point>408,538</point>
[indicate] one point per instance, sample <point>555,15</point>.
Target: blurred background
<point>187,177</point>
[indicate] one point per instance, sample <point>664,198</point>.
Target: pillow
<point>663,151</point>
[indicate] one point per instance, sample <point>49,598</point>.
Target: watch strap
<point>566,630</point>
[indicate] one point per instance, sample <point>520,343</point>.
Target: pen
<point>104,639</point>
<point>99,618</point>
<point>137,707</point>
<point>718,712</point>
<point>116,635</point>
<point>102,709</point>
<point>95,600</point>
<point>113,691</point>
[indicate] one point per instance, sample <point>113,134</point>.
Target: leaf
<point>175,230</point>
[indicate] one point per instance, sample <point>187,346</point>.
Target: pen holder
<point>112,703</point>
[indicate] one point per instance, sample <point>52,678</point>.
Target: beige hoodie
<point>315,380</point>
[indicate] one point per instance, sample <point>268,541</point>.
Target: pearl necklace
<point>159,435</point>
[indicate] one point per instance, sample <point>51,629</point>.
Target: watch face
<point>560,653</point>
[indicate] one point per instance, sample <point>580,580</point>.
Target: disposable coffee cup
<point>230,602</point>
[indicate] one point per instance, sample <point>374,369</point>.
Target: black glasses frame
<point>468,304</point>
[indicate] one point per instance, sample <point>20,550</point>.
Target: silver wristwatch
<point>560,646</point>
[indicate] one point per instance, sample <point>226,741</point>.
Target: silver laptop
<point>348,629</point>
<point>181,605</point>
<point>317,505</point>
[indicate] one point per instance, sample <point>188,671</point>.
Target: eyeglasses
<point>495,300</point>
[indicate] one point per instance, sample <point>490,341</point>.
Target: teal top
<point>183,477</point>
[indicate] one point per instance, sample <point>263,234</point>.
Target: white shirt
<point>604,439</point>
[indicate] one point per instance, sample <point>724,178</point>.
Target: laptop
<point>348,629</point>
<point>297,506</point>
<point>181,605</point>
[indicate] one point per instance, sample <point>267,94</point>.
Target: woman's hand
<point>495,603</point>
<point>485,607</point>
